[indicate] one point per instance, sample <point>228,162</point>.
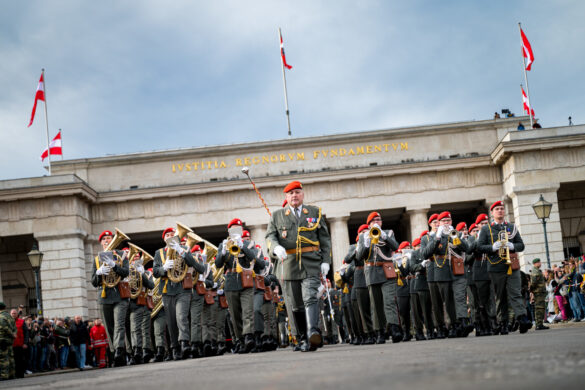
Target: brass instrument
<point>156,298</point>
<point>504,251</point>
<point>112,279</point>
<point>454,236</point>
<point>233,248</point>
<point>179,270</point>
<point>134,277</point>
<point>210,249</point>
<point>375,234</point>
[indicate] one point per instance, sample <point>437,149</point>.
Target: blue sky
<point>128,76</point>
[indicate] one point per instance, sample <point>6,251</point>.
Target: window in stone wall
<point>571,247</point>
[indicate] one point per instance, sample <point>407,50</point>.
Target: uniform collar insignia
<point>287,212</point>
<point>305,211</point>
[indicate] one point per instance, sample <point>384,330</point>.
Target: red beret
<point>403,245</point>
<point>258,246</point>
<point>105,233</point>
<point>284,203</point>
<point>184,240</point>
<point>362,228</point>
<point>472,226</point>
<point>480,218</point>
<point>424,233</point>
<point>498,203</point>
<point>245,234</point>
<point>196,248</point>
<point>126,249</point>
<point>293,185</point>
<point>149,270</point>
<point>234,221</point>
<point>433,217</point>
<point>444,214</point>
<point>373,215</point>
<point>460,226</point>
<point>415,242</point>
<point>167,230</point>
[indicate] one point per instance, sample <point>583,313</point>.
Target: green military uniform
<point>177,302</point>
<point>538,290</point>
<point>137,315</point>
<point>196,309</point>
<point>438,251</point>
<point>361,294</point>
<point>113,308</point>
<point>240,300</point>
<point>434,293</point>
<point>508,288</point>
<point>382,291</point>
<point>306,239</point>
<point>7,336</point>
<point>483,295</point>
<point>159,325</point>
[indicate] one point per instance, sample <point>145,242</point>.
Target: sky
<point>132,76</point>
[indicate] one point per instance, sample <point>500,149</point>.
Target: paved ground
<point>538,360</point>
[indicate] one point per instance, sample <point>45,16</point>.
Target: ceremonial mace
<point>246,172</point>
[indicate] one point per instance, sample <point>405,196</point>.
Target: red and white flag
<point>40,95</point>
<point>527,50</point>
<point>526,103</point>
<point>54,147</point>
<point>282,52</point>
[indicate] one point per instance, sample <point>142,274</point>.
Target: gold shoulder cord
<point>304,240</point>
<point>492,239</point>
<point>162,257</point>
<point>97,265</point>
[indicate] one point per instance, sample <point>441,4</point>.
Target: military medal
<point>311,221</point>
<point>305,211</point>
<point>287,212</point>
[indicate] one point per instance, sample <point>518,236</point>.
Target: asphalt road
<point>549,359</point>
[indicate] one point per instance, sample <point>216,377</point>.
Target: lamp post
<point>542,210</point>
<point>36,257</point>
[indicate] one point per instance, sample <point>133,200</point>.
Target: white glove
<point>214,285</point>
<point>320,291</point>
<point>324,268</point>
<point>280,252</point>
<point>497,245</point>
<point>204,257</point>
<point>201,278</point>
<point>425,263</point>
<point>178,248</point>
<point>510,245</point>
<point>439,233</point>
<point>223,247</point>
<point>240,242</point>
<point>220,291</point>
<point>140,269</point>
<point>383,235</point>
<point>409,255</point>
<point>103,270</point>
<point>168,264</point>
<point>367,241</point>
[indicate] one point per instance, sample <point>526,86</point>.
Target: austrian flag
<point>282,52</point>
<point>527,50</point>
<point>54,147</point>
<point>526,103</point>
<point>40,95</point>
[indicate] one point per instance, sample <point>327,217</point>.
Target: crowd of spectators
<point>565,291</point>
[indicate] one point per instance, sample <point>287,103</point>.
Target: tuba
<point>134,278</point>
<point>504,251</point>
<point>179,270</point>
<point>156,298</point>
<point>112,279</point>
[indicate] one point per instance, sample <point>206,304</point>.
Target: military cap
<point>472,226</point>
<point>105,233</point>
<point>444,214</point>
<point>293,185</point>
<point>403,245</point>
<point>373,214</point>
<point>168,230</point>
<point>245,234</point>
<point>196,248</point>
<point>415,242</point>
<point>423,233</point>
<point>497,203</point>
<point>362,228</point>
<point>235,221</point>
<point>460,226</point>
<point>433,217</point>
<point>480,218</point>
<point>537,260</point>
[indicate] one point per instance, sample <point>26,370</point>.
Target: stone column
<point>339,240</point>
<point>530,226</point>
<point>63,276</point>
<point>258,233</point>
<point>418,221</point>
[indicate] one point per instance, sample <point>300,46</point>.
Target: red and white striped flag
<point>527,50</point>
<point>526,103</point>
<point>282,52</point>
<point>54,147</point>
<point>40,95</point>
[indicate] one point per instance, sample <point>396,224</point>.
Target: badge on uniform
<point>305,211</point>
<point>287,212</point>
<point>283,234</point>
<point>440,246</point>
<point>311,221</point>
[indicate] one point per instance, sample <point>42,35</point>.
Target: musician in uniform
<point>176,299</point>
<point>382,290</point>
<point>434,292</point>
<point>138,309</point>
<point>507,281</point>
<point>442,248</point>
<point>464,326</point>
<point>360,293</point>
<point>403,292</point>
<point>472,292</point>
<point>239,284</point>
<point>147,349</point>
<point>197,306</point>
<point>297,236</point>
<point>420,301</point>
<point>113,308</point>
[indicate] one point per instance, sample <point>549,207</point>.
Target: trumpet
<point>233,248</point>
<point>375,234</point>
<point>179,270</point>
<point>454,236</point>
<point>112,279</point>
<point>504,251</point>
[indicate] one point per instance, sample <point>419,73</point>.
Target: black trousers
<point>357,318</point>
<point>365,309</point>
<point>404,313</point>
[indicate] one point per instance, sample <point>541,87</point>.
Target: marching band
<point>192,299</point>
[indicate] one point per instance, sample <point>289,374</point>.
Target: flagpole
<point>285,93</point>
<point>47,120</point>
<point>525,77</point>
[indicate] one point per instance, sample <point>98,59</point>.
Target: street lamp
<point>542,210</point>
<point>36,257</point>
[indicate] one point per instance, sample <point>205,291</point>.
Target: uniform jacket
<point>377,253</point>
<point>430,270</point>
<point>248,254</point>
<point>112,293</point>
<point>359,278</point>
<point>488,235</point>
<point>415,266</point>
<point>537,282</point>
<point>436,251</point>
<point>283,230</point>
<point>159,272</point>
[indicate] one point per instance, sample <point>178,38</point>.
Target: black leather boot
<point>168,355</point>
<point>419,336</point>
<point>430,335</point>
<point>369,339</point>
<point>504,328</point>
<point>452,331</point>
<point>147,355</point>
<point>525,323</point>
<point>313,334</point>
<point>248,344</point>
<point>160,354</point>
<point>381,337</point>
<point>397,334</point>
<point>120,357</point>
<point>301,323</point>
<point>257,343</point>
<point>213,348</point>
<point>221,348</point>
<point>196,350</point>
<point>138,355</point>
<point>185,349</point>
